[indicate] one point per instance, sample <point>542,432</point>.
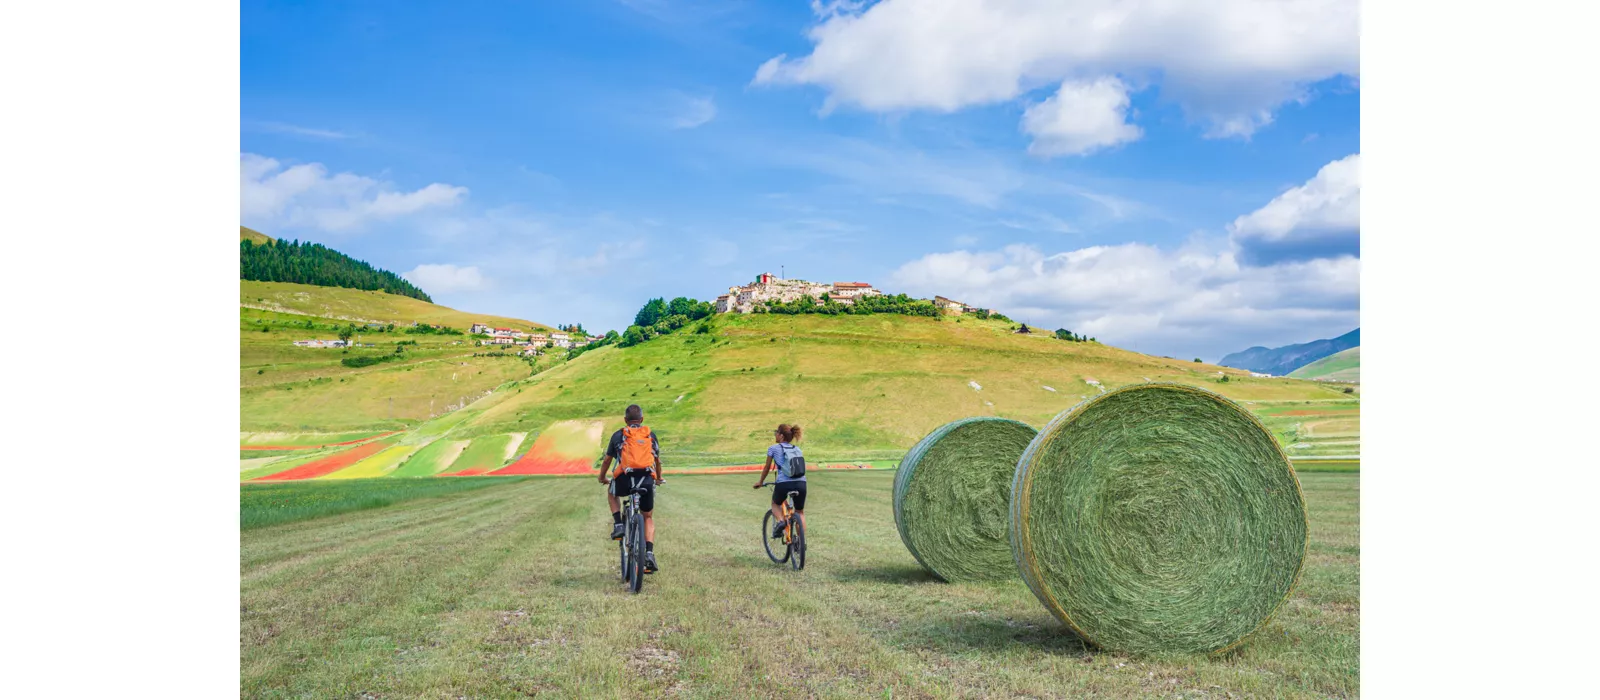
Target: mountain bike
<point>793,540</point>
<point>630,548</point>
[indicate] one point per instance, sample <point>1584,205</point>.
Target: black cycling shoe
<point>616,531</point>
<point>777,530</point>
<point>650,563</point>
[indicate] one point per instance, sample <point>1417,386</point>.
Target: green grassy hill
<point>254,236</point>
<point>284,388</point>
<point>862,386</point>
<point>363,306</point>
<point>865,388</point>
<point>1343,366</point>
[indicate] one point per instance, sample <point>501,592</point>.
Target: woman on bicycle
<point>779,454</point>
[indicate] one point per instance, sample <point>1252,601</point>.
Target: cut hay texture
<point>951,493</point>
<point>1158,518</point>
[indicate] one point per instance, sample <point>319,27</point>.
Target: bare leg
<point>616,507</point>
<point>649,526</point>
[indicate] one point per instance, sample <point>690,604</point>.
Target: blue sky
<point>1176,182</point>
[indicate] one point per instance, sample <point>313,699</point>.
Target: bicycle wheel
<point>768,541</point>
<point>797,544</point>
<point>622,555</point>
<point>636,554</point>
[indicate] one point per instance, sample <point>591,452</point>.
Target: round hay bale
<point>1158,518</point>
<point>951,496</point>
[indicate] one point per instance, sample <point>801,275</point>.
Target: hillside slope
<point>862,386</point>
<point>254,236</point>
<point>363,306</point>
<point>287,388</point>
<point>1342,366</point>
<point>1281,361</point>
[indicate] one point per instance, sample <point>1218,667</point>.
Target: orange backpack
<point>637,449</point>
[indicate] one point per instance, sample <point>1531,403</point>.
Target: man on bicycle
<point>638,456</point>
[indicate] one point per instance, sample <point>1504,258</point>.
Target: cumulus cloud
<point>1080,118</point>
<point>306,195</point>
<point>1229,63</point>
<point>1193,300</point>
<point>1320,218</point>
<point>445,279</point>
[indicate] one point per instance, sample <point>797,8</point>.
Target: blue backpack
<point>791,464</point>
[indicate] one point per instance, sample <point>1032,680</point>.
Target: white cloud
<point>294,130</point>
<point>445,279</point>
<point>1229,63</point>
<point>1318,218</point>
<point>695,112</point>
<point>1193,300</point>
<point>1082,117</point>
<point>305,195</point>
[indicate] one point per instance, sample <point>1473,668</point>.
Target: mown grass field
<point>266,504</point>
<point>511,590</point>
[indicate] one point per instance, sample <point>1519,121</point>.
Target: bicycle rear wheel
<point>636,554</point>
<point>797,543</point>
<point>769,542</point>
<point>622,555</point>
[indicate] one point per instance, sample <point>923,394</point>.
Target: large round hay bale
<point>1158,518</point>
<point>951,496</point>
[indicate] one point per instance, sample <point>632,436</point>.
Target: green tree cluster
<point>313,263</point>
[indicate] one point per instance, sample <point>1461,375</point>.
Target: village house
<point>848,292</point>
<point>949,305</point>
<point>478,328</point>
<point>321,343</point>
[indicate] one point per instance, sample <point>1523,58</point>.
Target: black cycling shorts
<point>783,489</point>
<point>622,487</point>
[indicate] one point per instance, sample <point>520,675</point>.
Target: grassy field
<point>511,591</point>
<point>363,306</point>
<point>864,387</point>
<point>1342,366</point>
<point>261,505</point>
<point>287,391</point>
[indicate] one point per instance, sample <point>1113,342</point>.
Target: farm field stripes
<point>511,591</point>
<point>327,465</point>
<point>377,465</point>
<point>281,462</point>
<point>312,440</point>
<point>566,447</point>
<point>433,458</point>
<point>486,454</point>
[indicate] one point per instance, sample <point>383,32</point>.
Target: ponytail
<point>789,433</point>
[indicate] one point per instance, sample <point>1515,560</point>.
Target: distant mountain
<point>263,259</point>
<point>1342,366</point>
<point>1279,362</point>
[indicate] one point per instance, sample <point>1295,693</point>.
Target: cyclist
<point>638,456</point>
<point>781,451</point>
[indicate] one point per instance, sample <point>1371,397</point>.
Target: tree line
<point>313,263</point>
